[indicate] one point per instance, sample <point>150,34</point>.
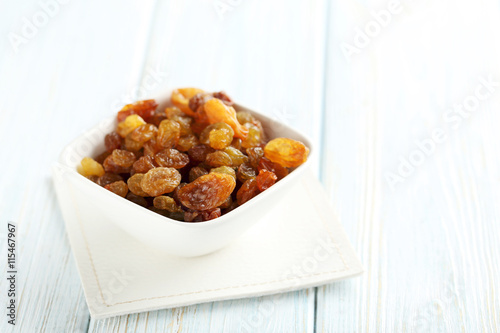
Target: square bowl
<point>178,238</point>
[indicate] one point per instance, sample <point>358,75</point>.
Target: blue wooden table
<point>401,97</point>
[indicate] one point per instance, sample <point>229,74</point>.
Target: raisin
<point>254,137</point>
<point>227,203</point>
<point>237,157</point>
<point>123,158</point>
<point>144,164</point>
<point>110,166</point>
<point>199,152</point>
<point>112,141</point>
<point>131,144</point>
<point>254,155</point>
<point>108,178</point>
<point>171,158</point>
<point>247,191</point>
<point>197,101</point>
<point>196,216</point>
<point>286,152</point>
<point>175,194</point>
<point>226,170</point>
<point>129,124</point>
<point>166,203</point>
<point>93,178</point>
<point>207,192</point>
<point>217,136</point>
<point>90,167</point>
<point>134,185</point>
<point>158,181</point>
<point>137,199</point>
<point>158,117</point>
<point>187,142</point>
<point>180,98</point>
<point>265,179</point>
<point>101,157</point>
<point>173,111</point>
<point>244,117</point>
<point>236,143</point>
<point>144,133</point>
<point>217,112</point>
<point>246,172</point>
<point>196,173</point>
<point>223,97</point>
<point>169,133</point>
<point>279,170</point>
<point>119,188</point>
<point>184,123</point>
<point>150,148</point>
<point>145,109</point>
<point>218,158</point>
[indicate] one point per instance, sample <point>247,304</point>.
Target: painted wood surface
<point>428,240</point>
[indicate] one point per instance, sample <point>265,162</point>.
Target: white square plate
<point>300,244</point>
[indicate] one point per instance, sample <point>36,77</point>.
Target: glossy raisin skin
<point>286,152</point>
<point>265,179</point>
<point>158,181</point>
<point>247,191</point>
<point>207,192</point>
<point>171,158</point>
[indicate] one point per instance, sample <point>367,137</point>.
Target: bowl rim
<point>162,100</point>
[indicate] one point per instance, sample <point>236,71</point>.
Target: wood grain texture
<point>430,244</point>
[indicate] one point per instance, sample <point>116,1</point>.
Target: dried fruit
<point>218,158</point>
<point>129,124</point>
<point>144,164</point>
<point>108,178</point>
<point>247,191</point>
<point>134,185</point>
<point>286,152</point>
<point>110,166</point>
<point>199,153</point>
<point>265,179</point>
<point>226,170</point>
<point>180,98</point>
<point>187,142</point>
<point>137,199</point>
<point>196,173</point>
<point>217,136</point>
<point>171,158</point>
<point>89,167</point>
<point>119,188</point>
<point>217,112</point>
<point>161,180</point>
<point>169,133</point>
<point>279,170</point>
<point>246,172</point>
<point>112,141</point>
<point>223,97</point>
<point>144,133</point>
<point>145,109</point>
<point>237,157</point>
<point>254,155</point>
<point>207,192</point>
<point>254,137</point>
<point>166,203</point>
<point>123,158</point>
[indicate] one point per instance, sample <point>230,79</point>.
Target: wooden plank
<point>264,59</point>
<point>430,245</point>
<point>53,88</point>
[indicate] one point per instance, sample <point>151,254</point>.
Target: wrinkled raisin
<point>279,170</point>
<point>226,170</point>
<point>169,133</point>
<point>89,167</point>
<point>180,98</point>
<point>246,172</point>
<point>254,137</point>
<point>286,152</point>
<point>166,203</point>
<point>158,181</point>
<point>145,109</point>
<point>196,173</point>
<point>199,152</point>
<point>144,164</point>
<point>247,191</point>
<point>218,158</point>
<point>131,144</point>
<point>134,185</point>
<point>265,179</point>
<point>217,112</point>
<point>144,133</point>
<point>108,178</point>
<point>119,188</point>
<point>129,124</point>
<point>217,136</point>
<point>123,158</point>
<point>254,155</point>
<point>112,141</point>
<point>186,142</point>
<point>110,166</point>
<point>223,97</point>
<point>237,157</point>
<point>171,158</point>
<point>207,192</point>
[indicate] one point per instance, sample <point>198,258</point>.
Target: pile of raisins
<point>193,161</point>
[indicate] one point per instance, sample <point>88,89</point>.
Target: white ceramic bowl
<point>177,238</point>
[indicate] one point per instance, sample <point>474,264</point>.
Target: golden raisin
<point>180,98</point>
<point>247,191</point>
<point>89,167</point>
<point>169,133</point>
<point>199,152</point>
<point>286,152</point>
<point>207,192</point>
<point>254,155</point>
<point>134,185</point>
<point>237,157</point>
<point>145,109</point>
<point>123,158</point>
<point>196,173</point>
<point>166,203</point>
<point>161,180</point>
<point>218,158</point>
<point>217,136</point>
<point>187,142</point>
<point>144,164</point>
<point>108,178</point>
<point>245,172</point>
<point>112,141</point>
<point>144,133</point>
<point>119,188</point>
<point>226,170</point>
<point>129,124</point>
<point>265,179</point>
<point>279,170</point>
<point>171,158</point>
<point>217,112</point>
